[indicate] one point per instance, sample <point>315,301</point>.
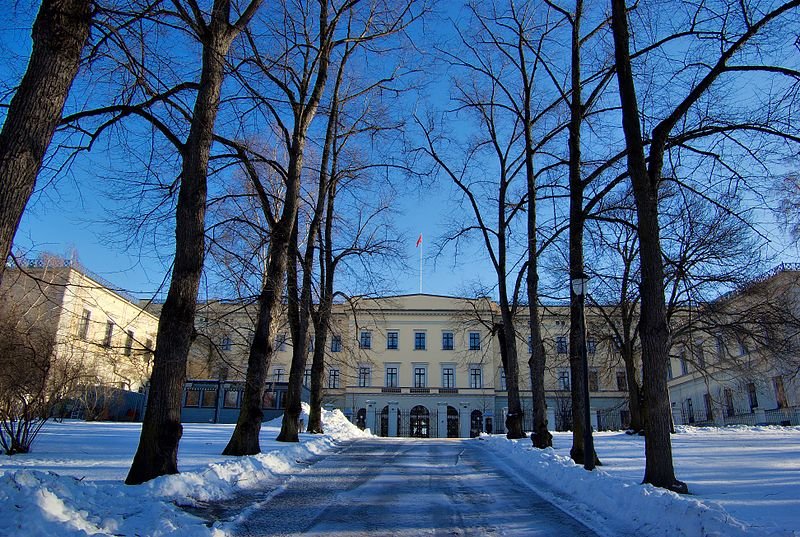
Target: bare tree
<point>60,33</point>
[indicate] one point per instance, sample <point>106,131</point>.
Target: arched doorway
<point>420,422</point>
<point>361,418</point>
<point>385,421</point>
<point>475,423</point>
<point>452,422</point>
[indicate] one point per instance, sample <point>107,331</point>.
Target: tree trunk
<point>653,329</point>
<point>59,34</point>
<point>508,354</point>
<point>318,371</point>
<point>635,401</point>
<point>157,453</point>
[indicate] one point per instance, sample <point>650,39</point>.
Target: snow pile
<point>617,504</point>
<point>34,502</point>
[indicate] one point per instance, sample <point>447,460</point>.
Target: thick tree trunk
<point>508,354</point>
<point>157,453</point>
<point>59,34</point>
<point>540,437</point>
<point>318,371</point>
<point>635,406</point>
<point>653,329</point>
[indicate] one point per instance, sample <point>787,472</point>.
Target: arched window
<point>452,422</point>
<point>420,422</point>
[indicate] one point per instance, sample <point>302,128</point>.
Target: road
<point>377,487</point>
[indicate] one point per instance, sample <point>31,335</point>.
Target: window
<point>591,346</point>
<point>363,377</point>
<point>684,364</point>
<point>742,348</point>
<point>709,404</point>
<point>594,380</point>
<point>231,399</point>
<point>310,347</point>
<point>307,377</point>
<point>752,395</point>
<point>447,341</point>
<point>622,381</point>
<point>109,336</point>
<point>419,341</point>
<point>561,345</point>
<point>474,341</point>
<point>563,379</point>
<point>280,342</point>
<point>333,378</point>
<point>503,385</point>
<point>448,377</point>
<point>780,392</point>
<point>129,343</point>
<point>475,380</point>
<point>192,398</point>
<point>391,340</point>
<point>530,345</point>
<point>225,343</point>
<point>729,410</point>
<point>699,354</point>
<point>690,410</point>
<point>669,369</point>
<point>391,377</point>
<point>278,374</point>
<point>365,341</point>
<point>83,327</point>
<point>336,344</point>
<point>720,348</point>
<point>419,377</point>
<point>208,398</point>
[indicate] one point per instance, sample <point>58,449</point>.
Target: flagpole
<point>420,268</point>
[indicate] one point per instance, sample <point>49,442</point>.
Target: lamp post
<point>579,281</point>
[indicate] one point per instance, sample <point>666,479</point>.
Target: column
<point>393,410</point>
<point>371,416</point>
<point>441,418</point>
<point>464,419</point>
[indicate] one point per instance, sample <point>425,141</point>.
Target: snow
<point>71,484</point>
<point>743,481</point>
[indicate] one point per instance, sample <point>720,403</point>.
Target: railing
<point>448,390</point>
<point>391,389</point>
<point>420,390</point>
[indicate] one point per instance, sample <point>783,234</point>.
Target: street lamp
<point>579,281</point>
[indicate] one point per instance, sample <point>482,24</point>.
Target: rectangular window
<point>83,327</point>
<point>419,341</point>
<point>365,341</point>
<point>709,404</point>
<point>280,343</point>
<point>561,345</point>
<point>333,378</point>
<point>729,410</point>
<point>336,344</point>
<point>225,343</point>
<point>447,341</point>
<point>742,348</point>
<point>780,392</point>
<point>208,399</point>
<point>419,377</point>
<point>231,399</point>
<point>363,377</point>
<point>129,343</point>
<point>474,341</point>
<point>563,379</point>
<point>278,374</point>
<point>391,377</point>
<point>669,369</point>
<point>503,385</point>
<point>307,377</point>
<point>752,395</point>
<point>699,354</point>
<point>684,364</point>
<point>720,348</point>
<point>109,336</point>
<point>392,340</point>
<point>448,377</point>
<point>591,346</point>
<point>192,398</point>
<point>310,347</point>
<point>475,380</point>
<point>622,381</point>
<point>594,380</point>
<point>530,345</point>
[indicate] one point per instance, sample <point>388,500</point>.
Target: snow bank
<point>35,503</point>
<point>620,506</point>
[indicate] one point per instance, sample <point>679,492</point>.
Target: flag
<point>419,240</point>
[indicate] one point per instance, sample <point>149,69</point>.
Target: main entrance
<point>420,422</point>
<point>452,422</point>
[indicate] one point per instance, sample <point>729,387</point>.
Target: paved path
<point>379,487</point>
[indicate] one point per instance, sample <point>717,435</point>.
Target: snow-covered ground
<point>71,483</point>
<point>742,481</point>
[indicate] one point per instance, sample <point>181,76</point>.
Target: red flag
<point>419,240</point>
